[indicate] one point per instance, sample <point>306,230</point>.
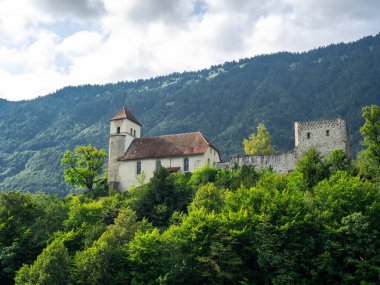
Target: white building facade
<point>131,156</point>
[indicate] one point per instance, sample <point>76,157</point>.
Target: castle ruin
<point>323,135</point>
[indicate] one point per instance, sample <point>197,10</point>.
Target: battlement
<point>311,125</point>
<point>323,135</point>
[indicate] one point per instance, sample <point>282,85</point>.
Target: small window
<point>327,133</point>
<point>131,131</point>
<point>134,133</point>
<point>118,130</point>
<point>138,167</point>
<point>208,161</point>
<point>308,135</point>
<point>186,164</point>
<point>158,164</point>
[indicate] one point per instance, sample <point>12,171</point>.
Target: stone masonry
<point>323,135</point>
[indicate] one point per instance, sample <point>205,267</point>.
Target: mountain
<point>226,102</point>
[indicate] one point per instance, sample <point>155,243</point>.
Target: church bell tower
<point>124,128</point>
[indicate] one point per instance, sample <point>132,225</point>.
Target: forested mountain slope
<point>226,102</point>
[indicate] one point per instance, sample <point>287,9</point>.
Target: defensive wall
<point>323,135</point>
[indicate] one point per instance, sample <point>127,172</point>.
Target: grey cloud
<point>324,13</point>
<point>77,8</point>
<point>168,11</point>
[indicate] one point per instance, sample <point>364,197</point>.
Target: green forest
<point>316,225</point>
<point>226,102</point>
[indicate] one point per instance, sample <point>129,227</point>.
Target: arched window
<point>131,131</point>
<point>138,167</point>
<point>186,164</point>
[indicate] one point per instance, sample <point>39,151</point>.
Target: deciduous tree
<point>258,143</point>
<point>84,167</point>
<point>369,158</point>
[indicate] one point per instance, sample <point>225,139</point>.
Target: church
<point>131,156</point>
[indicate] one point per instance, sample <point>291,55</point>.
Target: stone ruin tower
<point>124,128</point>
<point>323,135</point>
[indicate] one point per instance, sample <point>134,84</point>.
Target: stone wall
<point>323,135</point>
<point>116,148</point>
<point>279,162</point>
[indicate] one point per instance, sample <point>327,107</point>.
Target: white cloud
<point>47,44</point>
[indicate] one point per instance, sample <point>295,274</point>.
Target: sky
<point>46,45</point>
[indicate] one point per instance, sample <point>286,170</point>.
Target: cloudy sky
<point>48,44</point>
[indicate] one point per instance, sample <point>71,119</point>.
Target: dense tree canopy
<point>316,225</point>
<point>369,158</point>
<point>225,102</point>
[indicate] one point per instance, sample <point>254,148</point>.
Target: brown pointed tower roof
<point>125,114</point>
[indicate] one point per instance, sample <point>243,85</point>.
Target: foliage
<point>27,222</point>
<point>265,228</point>
<point>317,225</point>
<point>50,268</point>
<point>105,262</point>
<point>277,89</point>
<point>339,160</point>
<point>258,143</point>
<point>203,175</point>
<point>84,167</point>
<point>161,197</point>
<point>369,158</point>
<point>313,167</point>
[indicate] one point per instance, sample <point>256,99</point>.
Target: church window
<point>118,130</point>
<point>327,133</point>
<point>134,133</point>
<point>131,131</point>
<point>186,164</point>
<point>158,164</point>
<point>308,135</point>
<point>138,167</point>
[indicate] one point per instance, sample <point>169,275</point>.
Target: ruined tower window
<point>118,130</point>
<point>308,135</point>
<point>327,133</point>
<point>186,164</point>
<point>138,167</point>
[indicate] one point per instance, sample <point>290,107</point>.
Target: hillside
<point>226,102</point>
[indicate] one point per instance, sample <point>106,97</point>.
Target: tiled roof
<point>167,146</point>
<point>125,114</point>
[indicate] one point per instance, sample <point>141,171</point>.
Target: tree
<point>339,160</point>
<point>369,158</point>
<point>84,167</point>
<point>313,167</point>
<point>260,143</point>
<point>50,267</point>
